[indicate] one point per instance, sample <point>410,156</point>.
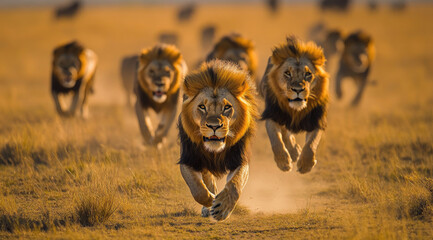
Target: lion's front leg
<point>198,189</point>
<point>307,159</point>
<point>58,101</point>
<point>77,100</point>
<point>226,200</point>
<point>361,82</point>
<point>281,155</point>
<point>84,108</point>
<point>338,84</point>
<point>167,119</point>
<point>291,145</point>
<point>209,181</point>
<point>144,123</point>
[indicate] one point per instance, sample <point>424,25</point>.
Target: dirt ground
<point>373,180</point>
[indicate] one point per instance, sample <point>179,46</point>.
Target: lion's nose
<point>298,90</point>
<point>159,84</point>
<point>214,126</point>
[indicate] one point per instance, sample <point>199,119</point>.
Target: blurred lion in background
<point>237,49</point>
<point>128,72</point>
<point>295,88</point>
<point>73,71</point>
<point>333,43</point>
<point>217,121</point>
<point>160,72</point>
<point>355,62</point>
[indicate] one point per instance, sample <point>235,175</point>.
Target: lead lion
<point>160,72</point>
<point>217,121</point>
<point>73,70</point>
<point>295,87</point>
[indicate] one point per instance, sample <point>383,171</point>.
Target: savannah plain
<point>94,179</point>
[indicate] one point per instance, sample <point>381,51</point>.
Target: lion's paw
<point>223,205</point>
<point>283,160</point>
<point>306,161</point>
<point>205,212</point>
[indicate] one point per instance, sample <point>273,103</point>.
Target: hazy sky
<point>15,3</point>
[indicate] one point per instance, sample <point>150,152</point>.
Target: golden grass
<point>96,205</point>
<point>73,179</point>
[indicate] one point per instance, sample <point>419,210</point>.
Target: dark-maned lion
<point>237,49</point>
<point>295,87</point>
<point>73,70</point>
<point>215,126</point>
<point>160,72</point>
<point>355,62</point>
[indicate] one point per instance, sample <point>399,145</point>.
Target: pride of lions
<point>219,105</point>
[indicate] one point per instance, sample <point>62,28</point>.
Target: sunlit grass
<point>74,179</point>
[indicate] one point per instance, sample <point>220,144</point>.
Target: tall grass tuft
<point>96,205</point>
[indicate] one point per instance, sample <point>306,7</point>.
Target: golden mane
<point>162,52</point>
<point>294,48</point>
<point>235,40</point>
<point>217,75</point>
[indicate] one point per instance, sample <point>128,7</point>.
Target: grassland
<point>74,179</point>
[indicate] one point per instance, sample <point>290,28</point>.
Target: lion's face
<point>238,56</point>
<point>356,55</point>
<point>213,113</point>
<point>158,76</point>
<point>295,80</point>
<point>333,43</point>
<point>67,68</point>
<point>219,105</point>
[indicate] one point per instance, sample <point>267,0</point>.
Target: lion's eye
<point>308,76</point>
<point>151,72</point>
<point>227,107</point>
<point>202,107</point>
<point>287,74</point>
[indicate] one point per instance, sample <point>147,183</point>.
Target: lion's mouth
<point>158,93</point>
<point>297,100</point>
<point>213,138</point>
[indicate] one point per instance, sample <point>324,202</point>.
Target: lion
<point>355,62</point>
<point>333,43</point>
<point>295,88</point>
<point>217,121</point>
<point>160,72</point>
<point>73,71</point>
<point>237,49</point>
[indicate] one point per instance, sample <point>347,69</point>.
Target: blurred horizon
<point>25,3</point>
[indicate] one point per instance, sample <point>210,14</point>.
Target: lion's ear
<point>239,89</point>
<point>56,52</point>
<point>279,55</point>
<point>177,57</point>
<point>320,60</point>
<point>187,88</point>
<point>144,57</point>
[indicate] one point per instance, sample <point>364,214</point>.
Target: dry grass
<point>73,179</point>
